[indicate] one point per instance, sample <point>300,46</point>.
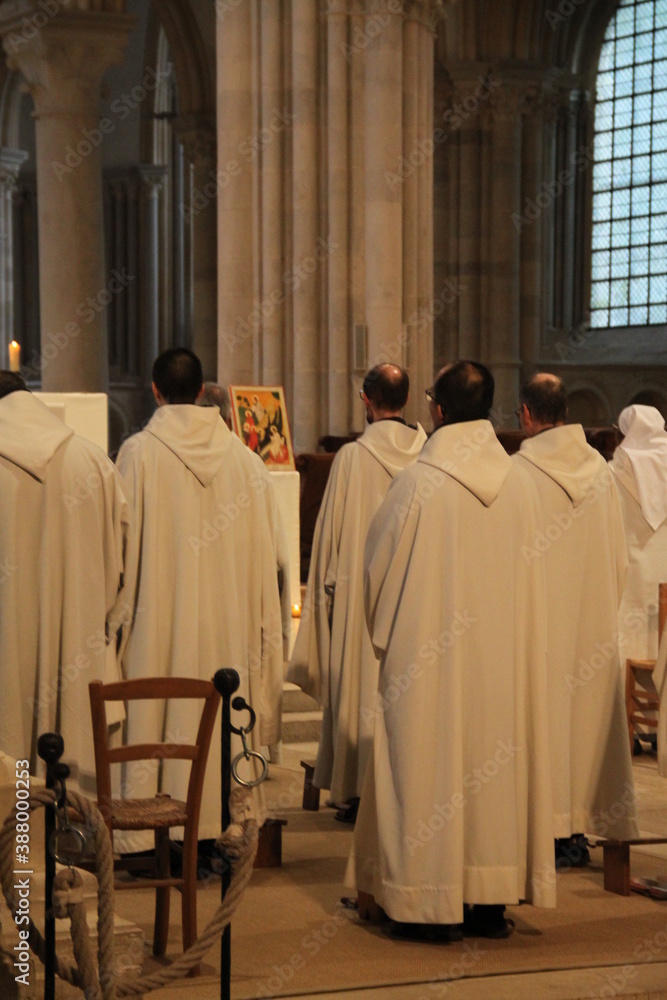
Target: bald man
<point>582,544</point>
<point>333,659</point>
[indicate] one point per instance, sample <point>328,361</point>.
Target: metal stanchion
<point>226,683</point>
<point>50,747</point>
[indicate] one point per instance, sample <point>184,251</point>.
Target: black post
<point>50,747</point>
<point>226,683</point>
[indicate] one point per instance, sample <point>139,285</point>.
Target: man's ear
<point>159,399</point>
<point>200,393</point>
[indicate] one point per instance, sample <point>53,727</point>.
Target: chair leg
<point>189,893</point>
<point>161,931</point>
<point>629,696</point>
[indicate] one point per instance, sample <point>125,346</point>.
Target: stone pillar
<point>501,299</point>
<point>269,152</point>
<point>152,179</point>
<point>199,144</point>
<point>237,334</point>
<point>421,358</point>
<point>309,258</point>
<point>339,148</point>
<point>10,164</point>
<point>63,60</point>
<point>531,231</point>
<point>383,149</point>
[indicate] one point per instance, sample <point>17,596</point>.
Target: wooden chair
<point>161,812</point>
<point>637,701</point>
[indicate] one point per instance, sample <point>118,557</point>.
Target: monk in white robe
<point>62,541</point>
<point>640,467</point>
<point>582,545</point>
<point>333,659</point>
<point>456,806</point>
<point>205,585</point>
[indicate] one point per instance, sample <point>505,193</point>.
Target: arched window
<point>629,266</point>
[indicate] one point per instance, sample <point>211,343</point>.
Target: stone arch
<point>588,406</point>
<point>650,396</point>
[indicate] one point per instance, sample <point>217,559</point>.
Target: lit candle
<point>296,611</point>
<point>14,356</point>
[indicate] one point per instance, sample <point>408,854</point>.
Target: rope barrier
<point>240,839</point>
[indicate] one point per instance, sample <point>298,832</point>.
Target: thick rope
<point>241,839</point>
<point>68,902</point>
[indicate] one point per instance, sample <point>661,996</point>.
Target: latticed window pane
<point>629,283</point>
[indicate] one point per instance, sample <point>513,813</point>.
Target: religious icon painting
<point>259,417</point>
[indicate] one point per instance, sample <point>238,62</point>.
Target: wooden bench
<point>616,861</point>
<point>311,793</point>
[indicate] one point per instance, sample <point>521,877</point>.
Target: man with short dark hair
<point>582,546</point>
<point>204,573</point>
<point>333,659</point>
<point>63,534</point>
<point>456,807</point>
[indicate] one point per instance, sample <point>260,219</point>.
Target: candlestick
<point>14,356</point>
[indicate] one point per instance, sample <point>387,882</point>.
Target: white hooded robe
<point>62,541</point>
<point>204,573</point>
<point>582,545</point>
<point>457,800</point>
<point>333,659</point>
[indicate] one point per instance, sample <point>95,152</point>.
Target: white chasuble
<point>333,659</point>
<point>456,806</point>
<point>63,534</point>
<point>582,545</point>
<point>204,572</point>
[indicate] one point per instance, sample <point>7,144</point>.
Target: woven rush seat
<point>142,814</point>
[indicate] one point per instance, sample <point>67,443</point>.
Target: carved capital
<point>152,177</point>
<point>197,133</point>
<point>11,161</point>
<point>511,99</point>
<point>425,12</point>
<point>62,56</point>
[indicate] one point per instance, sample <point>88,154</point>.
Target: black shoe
<point>348,813</point>
<point>572,852</point>
<point>438,933</point>
<point>486,921</point>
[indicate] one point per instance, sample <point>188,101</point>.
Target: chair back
<point>152,688</point>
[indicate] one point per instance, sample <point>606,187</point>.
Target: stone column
<point>421,359</point>
<point>197,134</point>
<point>339,210</point>
<point>501,300</point>
<point>10,164</point>
<point>383,149</point>
<point>63,60</point>
<point>531,229</point>
<point>309,256</point>
<point>152,179</point>
<point>237,331</point>
<point>268,150</point>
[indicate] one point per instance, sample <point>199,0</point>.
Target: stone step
<point>302,727</point>
<point>296,700</point>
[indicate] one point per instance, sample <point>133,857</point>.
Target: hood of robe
<point>471,453</point>
<point>640,461</point>
<point>195,434</point>
<point>393,444</point>
<point>564,455</point>
<point>30,434</point>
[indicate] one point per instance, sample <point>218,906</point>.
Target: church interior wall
<point>510,106</point>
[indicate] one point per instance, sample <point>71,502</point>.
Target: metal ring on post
<point>76,855</point>
<point>246,756</point>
